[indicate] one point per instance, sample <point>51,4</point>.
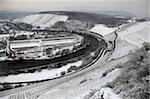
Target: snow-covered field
<point>137,34</point>
<point>102,29</point>
<point>44,74</point>
<point>42,20</point>
<point>32,43</point>
<point>131,38</point>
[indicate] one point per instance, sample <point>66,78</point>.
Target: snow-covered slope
<point>74,89</point>
<point>130,38</point>
<point>122,48</point>
<point>42,20</point>
<point>102,29</point>
<point>136,34</point>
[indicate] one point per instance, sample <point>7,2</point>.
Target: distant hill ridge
<point>90,17</point>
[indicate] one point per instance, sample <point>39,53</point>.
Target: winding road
<point>35,90</point>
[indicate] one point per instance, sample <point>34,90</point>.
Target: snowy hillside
<point>102,29</point>
<point>137,34</point>
<point>95,80</point>
<point>83,87</point>
<point>42,20</point>
<point>129,39</point>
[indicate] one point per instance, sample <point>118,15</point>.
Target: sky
<point>137,7</point>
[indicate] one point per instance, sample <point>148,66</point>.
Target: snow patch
<point>105,93</point>
<point>102,29</point>
<point>44,74</point>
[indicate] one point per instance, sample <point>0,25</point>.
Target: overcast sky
<point>138,7</point>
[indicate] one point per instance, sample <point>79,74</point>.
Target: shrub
<point>39,70</point>
<point>65,52</point>
<point>146,46</point>
<point>83,81</point>
<point>72,68</point>
<point>7,86</point>
<point>48,51</point>
<point>63,73</point>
